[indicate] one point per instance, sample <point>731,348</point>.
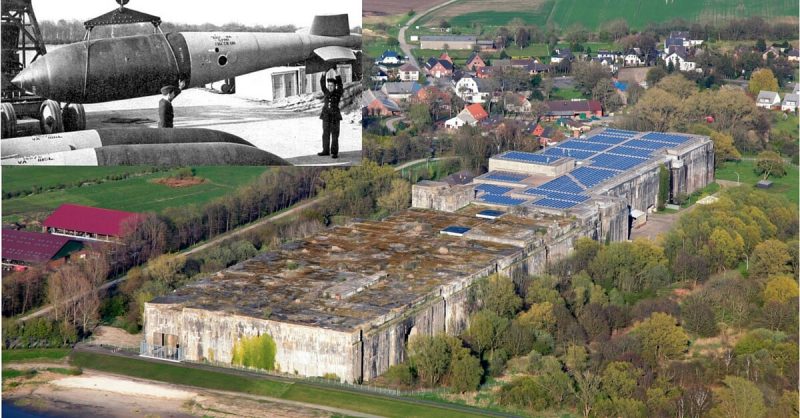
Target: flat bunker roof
<point>361,275</point>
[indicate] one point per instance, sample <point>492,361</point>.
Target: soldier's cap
<point>167,90</point>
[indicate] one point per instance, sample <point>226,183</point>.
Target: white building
<point>789,103</point>
<point>469,90</point>
<point>408,72</point>
<point>282,82</point>
<point>768,99</point>
<point>680,61</point>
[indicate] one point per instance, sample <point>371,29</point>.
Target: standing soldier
<point>331,115</point>
<point>165,112</point>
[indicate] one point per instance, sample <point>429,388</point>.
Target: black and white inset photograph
<point>180,83</point>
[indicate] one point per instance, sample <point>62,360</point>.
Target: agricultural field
<point>592,14</point>
<point>136,194</point>
<point>392,7</point>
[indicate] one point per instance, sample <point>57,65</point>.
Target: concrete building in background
<point>284,82</point>
<point>346,301</point>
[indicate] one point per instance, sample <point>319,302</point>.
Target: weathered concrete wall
<point>640,190</point>
<point>440,196</point>
<point>211,335</point>
<point>698,167</point>
<point>552,170</point>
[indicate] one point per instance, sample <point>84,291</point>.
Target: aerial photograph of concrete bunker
<point>559,209</point>
<point>232,94</point>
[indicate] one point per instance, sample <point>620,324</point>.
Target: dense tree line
<point>599,334</point>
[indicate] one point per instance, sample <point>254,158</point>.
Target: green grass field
<point>787,185</point>
<point>27,178</point>
<point>592,14</point>
<point>296,391</point>
<point>787,125</point>
<point>10,356</point>
<point>137,194</point>
<point>566,94</point>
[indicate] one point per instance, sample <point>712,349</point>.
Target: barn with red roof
<point>25,248</point>
<point>86,222</point>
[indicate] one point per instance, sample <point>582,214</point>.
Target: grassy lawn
<point>566,94</point>
<point>786,185</point>
<point>699,194</point>
<point>785,123</point>
<point>137,194</point>
<point>296,391</point>
<point>28,178</point>
<point>11,356</point>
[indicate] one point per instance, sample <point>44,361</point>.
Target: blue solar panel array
<point>555,204</point>
<point>584,145</point>
<point>528,157</point>
<point>488,213</point>
<point>620,132</point>
<point>459,230</point>
<point>638,143</point>
<point>557,195</point>
<point>493,188</point>
<point>616,162</point>
<point>571,153</point>
<point>671,138</point>
<point>505,176</point>
<point>562,184</point>
<point>632,152</point>
<point>590,176</point>
<point>607,139</point>
<point>501,200</point>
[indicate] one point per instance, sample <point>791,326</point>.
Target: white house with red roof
<point>471,115</point>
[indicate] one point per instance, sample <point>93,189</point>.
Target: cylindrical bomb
<point>103,70</point>
<point>210,153</point>
<point>69,141</point>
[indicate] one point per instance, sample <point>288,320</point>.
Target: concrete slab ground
<point>290,129</point>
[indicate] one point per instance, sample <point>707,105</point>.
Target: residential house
<point>375,103</point>
<point>604,54</point>
<point>438,68</point>
<point>446,57</point>
<point>550,135</point>
<point>793,55</point>
<point>580,109</point>
<point>389,58</point>
<point>768,99</point>
<point>789,103</point>
<point>633,58</point>
<point>607,62</point>
<point>485,72</point>
<point>475,62</point>
<point>447,42</point>
<point>400,90</point>
<point>380,75</point>
<point>471,89</point>
<point>516,103</point>
<point>471,115</point>
<point>561,55</point>
<point>680,60</point>
<point>575,127</point>
<point>408,72</point>
<point>683,37</point>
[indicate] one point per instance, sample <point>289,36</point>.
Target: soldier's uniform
<point>331,116</point>
<point>165,111</point>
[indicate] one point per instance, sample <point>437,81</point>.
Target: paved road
<point>299,381</point>
<point>402,35</point>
